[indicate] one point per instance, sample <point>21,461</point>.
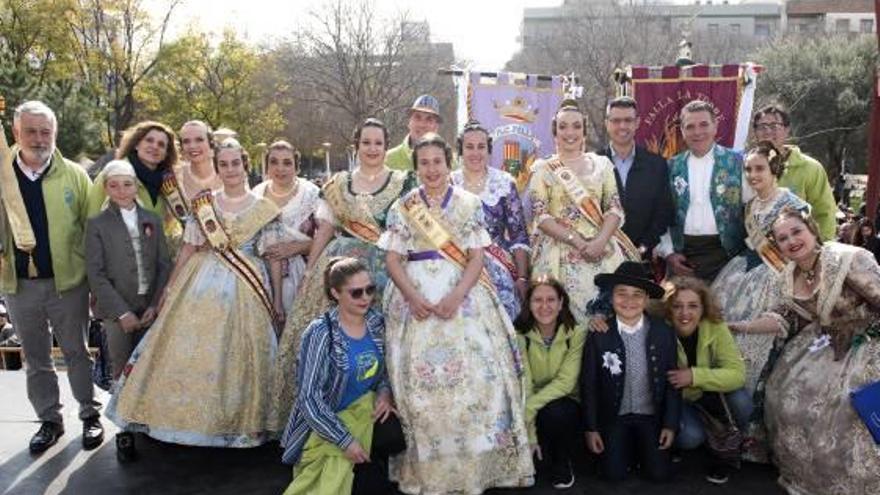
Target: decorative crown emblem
<point>517,109</point>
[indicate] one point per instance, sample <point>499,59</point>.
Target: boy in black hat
<point>630,412</point>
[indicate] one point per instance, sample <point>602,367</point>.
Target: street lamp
<point>327,158</point>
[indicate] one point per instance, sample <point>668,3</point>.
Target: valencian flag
<point>517,110</point>
<point>661,92</point>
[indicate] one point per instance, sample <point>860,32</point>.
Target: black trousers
<point>706,254</point>
<point>631,439</point>
<point>558,428</point>
<point>371,478</point>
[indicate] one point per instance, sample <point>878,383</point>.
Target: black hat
<point>630,273</point>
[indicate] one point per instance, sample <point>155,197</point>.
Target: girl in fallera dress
<point>576,212</point>
<point>289,239</point>
<point>201,376</point>
<point>452,354</point>
<point>351,216</point>
<point>507,259</point>
<point>749,284</point>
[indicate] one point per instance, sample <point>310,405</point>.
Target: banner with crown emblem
<point>661,92</point>
<point>517,110</point>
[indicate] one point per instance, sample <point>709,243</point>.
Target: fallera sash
<point>590,208</point>
<point>19,222</point>
<point>214,231</point>
<point>420,218</point>
<point>360,224</point>
<point>173,193</point>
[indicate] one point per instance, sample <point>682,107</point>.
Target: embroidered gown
<point>503,213</point>
<point>296,223</point>
<point>549,199</point>
<point>458,383</point>
<point>819,442</point>
<point>201,374</point>
<point>306,309</point>
<point>747,286</point>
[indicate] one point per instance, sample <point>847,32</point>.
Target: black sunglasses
<point>360,291</point>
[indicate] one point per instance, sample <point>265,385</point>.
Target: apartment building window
<point>734,29</point>
<point>762,30</point>
<point>841,25</point>
<point>713,29</point>
<point>866,25</point>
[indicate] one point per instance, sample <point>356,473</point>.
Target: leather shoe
<point>93,433</point>
<point>125,449</point>
<point>46,436</point>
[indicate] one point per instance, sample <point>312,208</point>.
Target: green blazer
<point>719,367</point>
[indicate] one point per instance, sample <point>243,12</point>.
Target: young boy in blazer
<point>631,413</point>
<point>128,264</point>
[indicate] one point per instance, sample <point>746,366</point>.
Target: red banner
<point>660,93</point>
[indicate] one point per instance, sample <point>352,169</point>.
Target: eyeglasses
<point>769,126</point>
<point>359,292</point>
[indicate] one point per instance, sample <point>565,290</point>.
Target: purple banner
<point>517,112</point>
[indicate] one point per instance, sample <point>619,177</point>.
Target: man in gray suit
<point>128,266</point>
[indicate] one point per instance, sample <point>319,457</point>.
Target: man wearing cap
<point>43,270</point>
<point>424,117</point>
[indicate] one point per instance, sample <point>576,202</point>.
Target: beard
<point>40,155</point>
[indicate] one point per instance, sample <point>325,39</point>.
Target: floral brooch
<point>611,362</point>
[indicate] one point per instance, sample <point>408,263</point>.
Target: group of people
<point>409,323</point>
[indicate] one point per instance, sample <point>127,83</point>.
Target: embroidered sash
<point>174,195</point>
<point>590,208</point>
<point>420,218</point>
<point>503,257</point>
<point>19,222</point>
<point>360,224</point>
<point>214,231</point>
<point>771,255</point>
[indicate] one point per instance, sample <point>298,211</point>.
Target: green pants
<point>323,468</point>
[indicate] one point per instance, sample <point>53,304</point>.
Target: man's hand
<point>667,436</point>
<point>129,322</point>
<point>594,442</point>
<point>679,264</point>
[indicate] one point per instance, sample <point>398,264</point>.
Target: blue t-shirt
<point>364,363</point>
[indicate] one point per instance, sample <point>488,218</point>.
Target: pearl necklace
<point>290,192</point>
<point>810,275</point>
<point>369,179</point>
<point>436,202</point>
<point>475,186</point>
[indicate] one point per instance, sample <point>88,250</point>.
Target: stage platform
<point>171,469</point>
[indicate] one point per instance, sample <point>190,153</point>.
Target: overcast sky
<point>482,31</point>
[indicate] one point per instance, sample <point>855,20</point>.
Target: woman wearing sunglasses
<point>343,426</point>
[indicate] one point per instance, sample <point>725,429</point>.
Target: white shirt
<point>130,217</point>
<point>623,327</point>
<point>700,219</point>
<point>29,172</point>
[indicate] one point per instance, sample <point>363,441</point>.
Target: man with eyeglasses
<point>803,174</point>
<point>642,177</point>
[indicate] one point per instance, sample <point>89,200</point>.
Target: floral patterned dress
<point>747,286</point>
<point>550,200</point>
<point>201,374</point>
<point>458,383</point>
<point>503,213</point>
<point>306,309</point>
<point>819,442</point>
<point>296,223</point>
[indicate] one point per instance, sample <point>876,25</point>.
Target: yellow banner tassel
<point>32,267</point>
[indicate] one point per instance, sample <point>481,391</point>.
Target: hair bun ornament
<point>569,104</point>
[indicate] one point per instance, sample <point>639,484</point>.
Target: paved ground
<point>170,469</point>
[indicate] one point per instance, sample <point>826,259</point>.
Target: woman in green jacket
<point>710,364</point>
<point>551,345</point>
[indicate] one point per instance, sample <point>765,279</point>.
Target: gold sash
<point>173,194</point>
<point>362,226</point>
<point>590,208</point>
<point>421,219</point>
<point>771,255</point>
<point>214,231</point>
<point>19,222</point>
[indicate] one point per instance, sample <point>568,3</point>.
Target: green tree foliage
<point>826,83</point>
<point>218,84</point>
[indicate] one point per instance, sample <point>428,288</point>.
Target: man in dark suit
<point>631,413</point>
<point>642,177</point>
<point>128,265</point>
